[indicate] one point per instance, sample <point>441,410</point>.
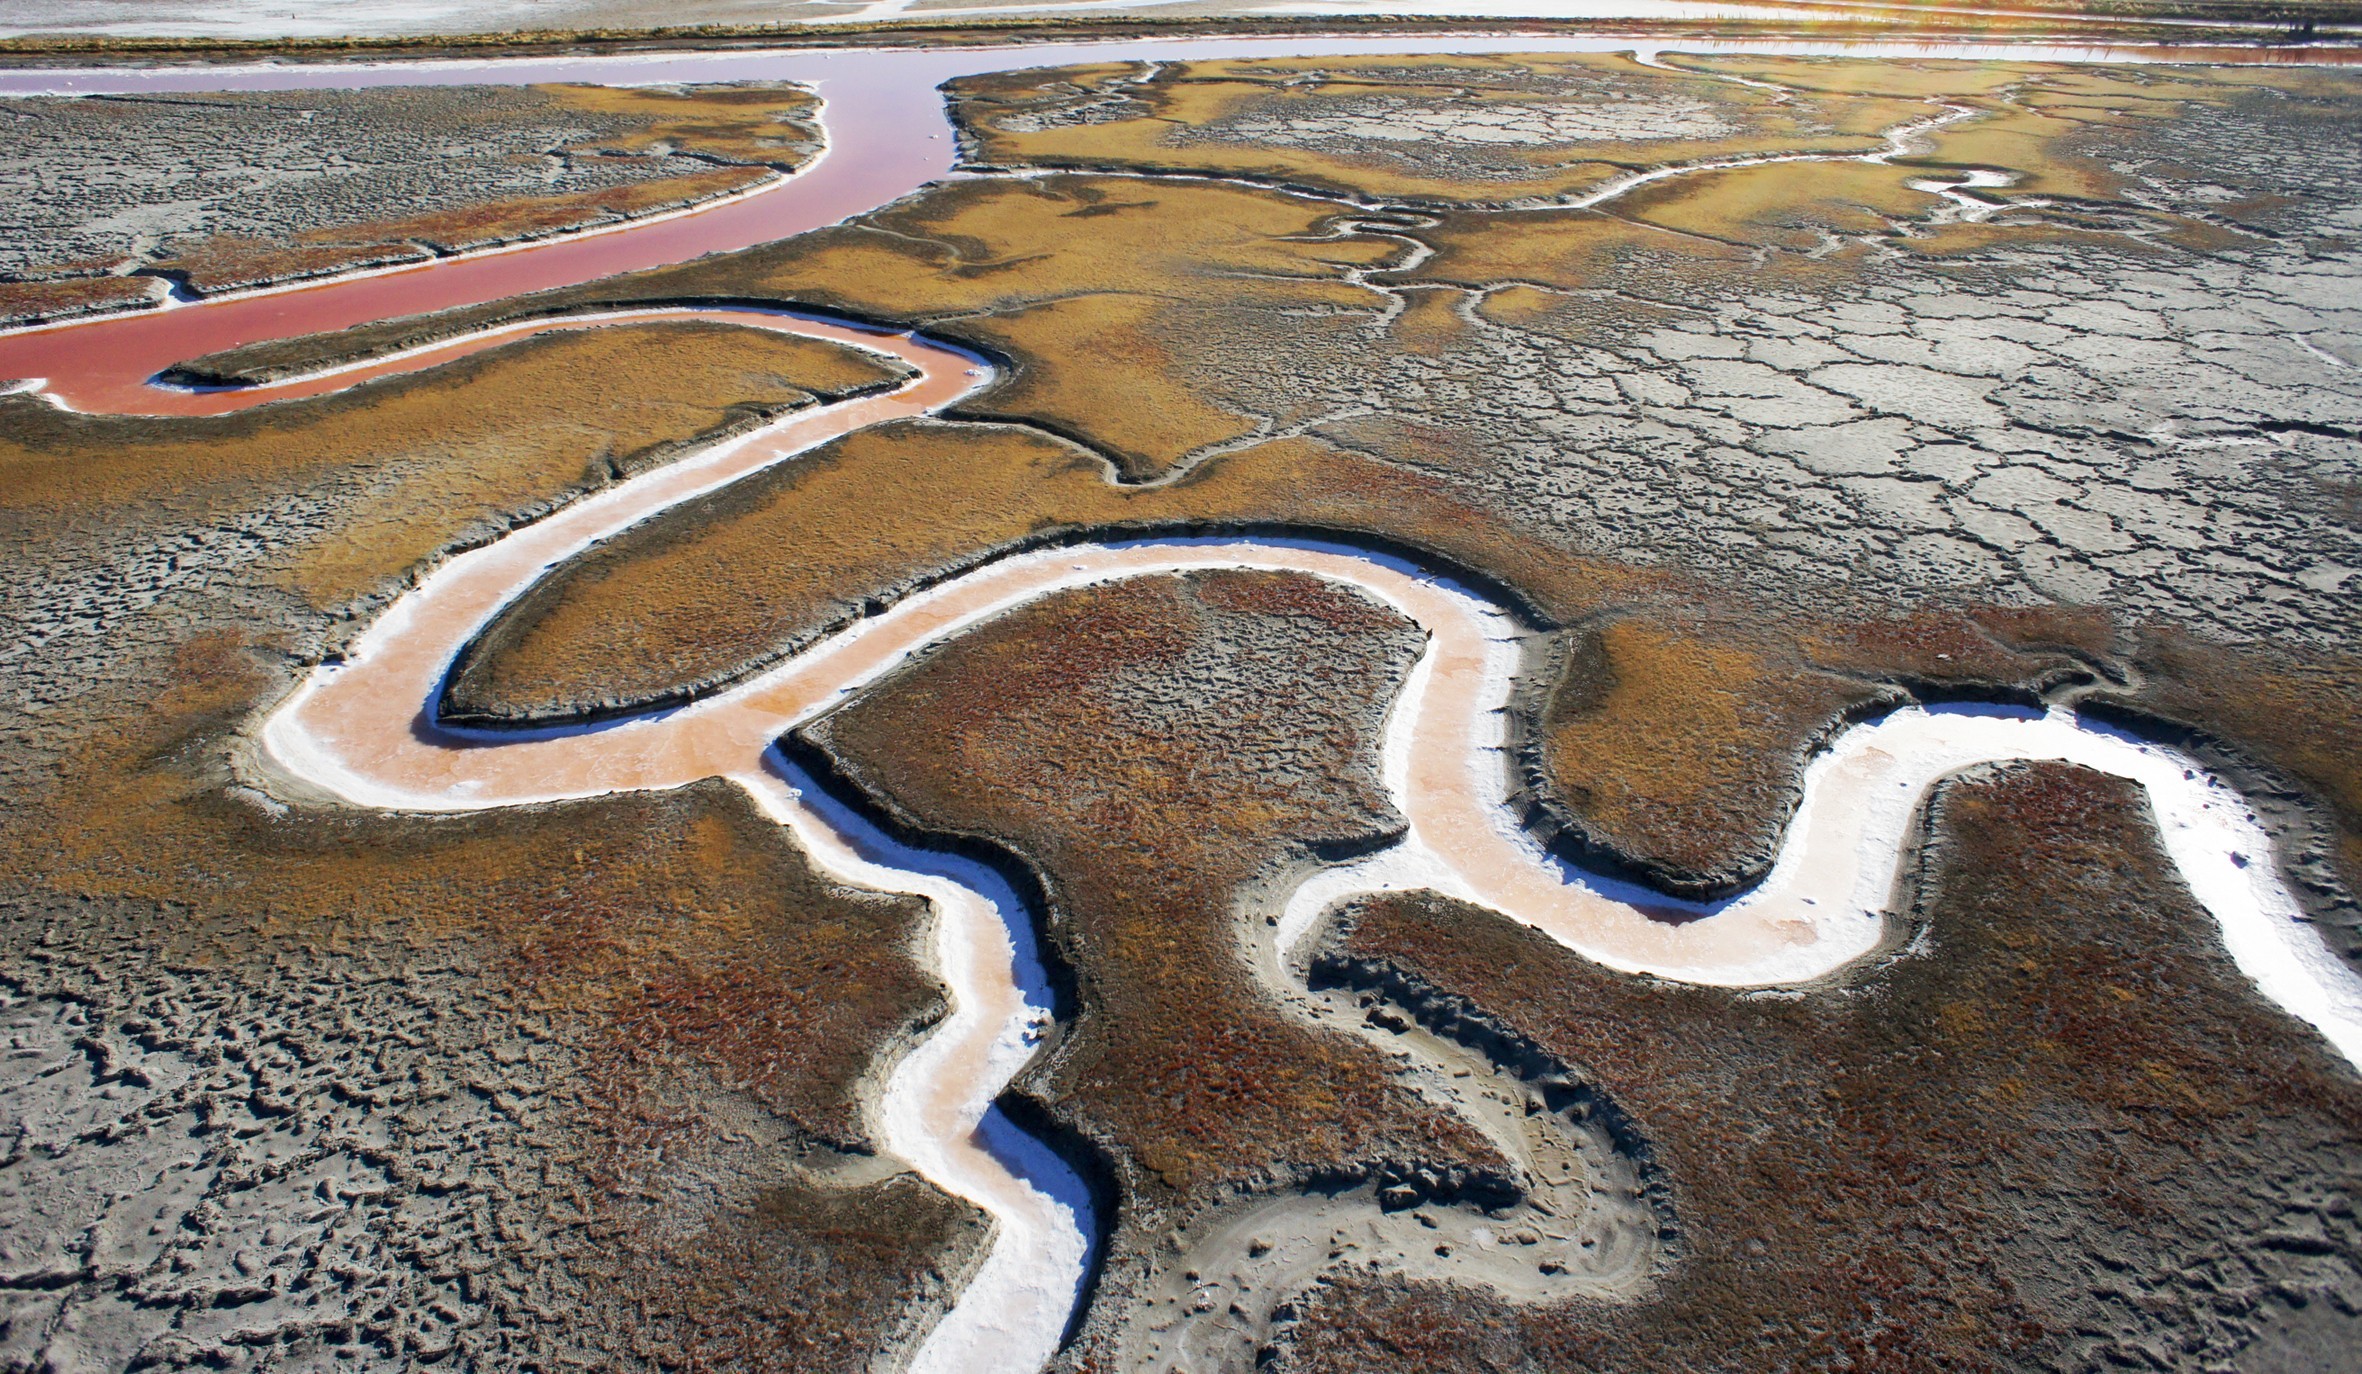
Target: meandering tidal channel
<point>362,728</point>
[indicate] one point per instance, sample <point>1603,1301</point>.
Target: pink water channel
<point>888,135</point>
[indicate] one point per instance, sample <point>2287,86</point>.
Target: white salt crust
<point>362,730</point>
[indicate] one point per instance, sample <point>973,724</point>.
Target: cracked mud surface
<point>111,199</point>
<point>1840,409</point>
<point>1823,405</point>
<point>2009,1147</point>
<point>2149,437</point>
<point>518,1093</point>
<point>1382,119</point>
<point>1765,447</point>
<point>130,534</point>
<point>2118,420</point>
<point>2107,421</point>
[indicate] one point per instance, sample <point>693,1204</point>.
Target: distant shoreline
<point>2311,24</point>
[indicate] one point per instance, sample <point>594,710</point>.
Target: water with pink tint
<point>887,136</point>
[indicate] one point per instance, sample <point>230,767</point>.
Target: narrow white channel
<point>363,730</point>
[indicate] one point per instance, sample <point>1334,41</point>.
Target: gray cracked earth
<point>302,1175</point>
<point>1437,128</point>
<point>2173,435</point>
<point>110,179</point>
<point>2178,443</point>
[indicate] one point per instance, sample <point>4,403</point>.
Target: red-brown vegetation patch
<point>694,1003</point>
<point>1152,747</point>
<point>482,226</point>
<point>680,924</point>
<point>1958,648</point>
<point>224,263</point>
<point>815,1279</point>
<point>721,1008</point>
<point>2051,1135</point>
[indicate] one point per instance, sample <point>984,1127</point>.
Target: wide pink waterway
<point>887,136</point>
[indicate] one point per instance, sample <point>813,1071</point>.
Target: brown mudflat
<point>1153,748</point>
<point>2060,1131</point>
<point>563,1062</point>
<point>1835,462</point>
